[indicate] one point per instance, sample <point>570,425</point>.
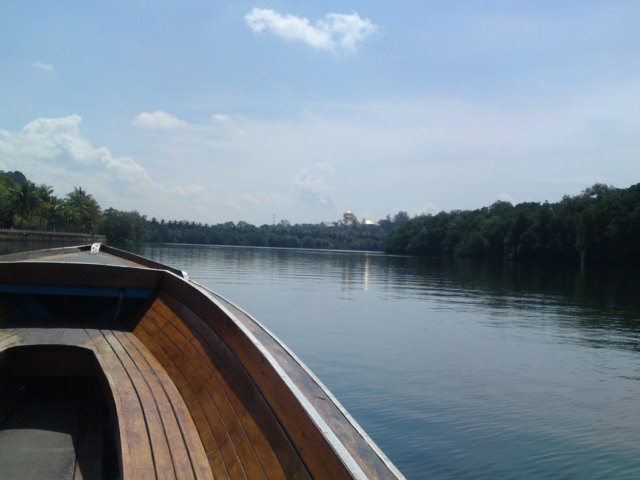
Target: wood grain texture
<point>243,446</point>
<point>87,275</point>
<point>254,408</point>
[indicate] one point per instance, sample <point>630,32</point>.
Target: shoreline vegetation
<point>600,225</point>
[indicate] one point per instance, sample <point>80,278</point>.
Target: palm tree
<point>52,212</point>
<point>69,215</point>
<point>26,201</point>
<point>88,210</point>
<point>43,192</point>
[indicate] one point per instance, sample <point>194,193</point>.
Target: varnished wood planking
<point>10,337</point>
<point>44,273</point>
<point>263,365</point>
<point>232,411</point>
<point>152,442</point>
<point>161,456</point>
<point>210,396</point>
<point>176,456</point>
<point>279,455</point>
<point>264,433</point>
<point>169,446</point>
<point>133,438</point>
<point>253,448</point>
<point>205,431</point>
<point>199,399</point>
<point>172,399</point>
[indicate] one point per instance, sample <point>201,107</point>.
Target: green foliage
<point>123,227</point>
<point>600,225</point>
<point>24,204</point>
<point>8,187</point>
<point>27,205</point>
<point>17,177</point>
<point>285,235</point>
<point>83,210</point>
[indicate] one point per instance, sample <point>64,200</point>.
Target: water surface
<point>458,370</point>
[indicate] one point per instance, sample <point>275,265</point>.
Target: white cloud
<point>446,151</point>
<point>336,31</point>
<point>53,151</point>
<point>311,186</point>
<point>43,66</point>
<point>157,119</point>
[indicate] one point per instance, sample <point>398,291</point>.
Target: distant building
<point>369,222</point>
<point>349,218</point>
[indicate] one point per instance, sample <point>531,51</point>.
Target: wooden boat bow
<point>185,384</point>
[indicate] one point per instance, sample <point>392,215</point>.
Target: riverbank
<point>20,234</point>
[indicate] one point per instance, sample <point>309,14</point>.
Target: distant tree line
<point>282,234</point>
<point>25,205</point>
<point>602,224</point>
<point>131,226</point>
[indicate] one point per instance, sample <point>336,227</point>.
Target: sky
<point>215,111</point>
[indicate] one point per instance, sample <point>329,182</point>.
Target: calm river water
<point>458,370</point>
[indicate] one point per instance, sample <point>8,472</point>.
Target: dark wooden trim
<point>78,274</point>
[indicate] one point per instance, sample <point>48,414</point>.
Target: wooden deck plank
<point>230,368</point>
<point>10,337</point>
<point>168,448</point>
<point>205,378</point>
<point>178,414</point>
<point>210,426</point>
<point>157,436</point>
<point>149,409</point>
<point>184,458</point>
<point>211,353</point>
<point>39,336</point>
<point>136,454</point>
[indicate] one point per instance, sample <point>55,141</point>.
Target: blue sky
<point>216,110</point>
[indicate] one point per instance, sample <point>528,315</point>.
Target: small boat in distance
<point>116,366</point>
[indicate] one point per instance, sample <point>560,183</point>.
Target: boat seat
<point>155,431</point>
